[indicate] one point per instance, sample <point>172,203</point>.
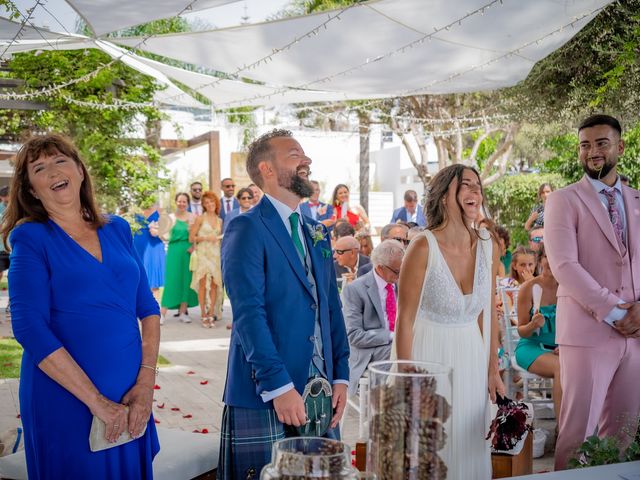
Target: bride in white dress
<point>446,283</point>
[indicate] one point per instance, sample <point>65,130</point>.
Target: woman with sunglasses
<point>245,199</point>
<point>446,292</point>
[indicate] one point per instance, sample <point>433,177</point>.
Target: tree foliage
<point>511,199</point>
<point>126,168</point>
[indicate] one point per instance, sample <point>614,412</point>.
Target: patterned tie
<point>614,212</point>
<point>295,235</point>
<point>391,306</point>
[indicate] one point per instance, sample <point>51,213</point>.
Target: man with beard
<point>592,239</point>
<point>195,206</point>
<point>288,331</point>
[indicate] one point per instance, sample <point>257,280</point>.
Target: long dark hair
<point>334,197</point>
<point>23,206</point>
<point>435,210</point>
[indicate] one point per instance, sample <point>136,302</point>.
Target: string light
<point>116,105</point>
<point>414,91</point>
<point>49,91</point>
<point>274,51</point>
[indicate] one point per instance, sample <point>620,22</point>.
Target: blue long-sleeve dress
<point>61,296</point>
<point>150,250</point>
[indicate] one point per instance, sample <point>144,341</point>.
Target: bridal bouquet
<point>510,426</point>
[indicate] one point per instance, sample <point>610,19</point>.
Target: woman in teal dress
<point>537,350</point>
<point>177,292</point>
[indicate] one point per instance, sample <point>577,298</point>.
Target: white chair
<point>530,381</point>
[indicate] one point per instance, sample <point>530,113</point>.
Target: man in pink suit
<point>592,238</point>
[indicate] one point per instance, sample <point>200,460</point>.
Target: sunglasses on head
<point>342,252</point>
<point>535,239</point>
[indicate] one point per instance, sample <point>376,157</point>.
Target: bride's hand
<point>496,386</point>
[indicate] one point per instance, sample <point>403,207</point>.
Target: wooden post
<point>214,162</point>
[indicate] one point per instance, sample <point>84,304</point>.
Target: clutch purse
<point>97,441</point>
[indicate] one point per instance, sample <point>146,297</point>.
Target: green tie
<point>295,236</point>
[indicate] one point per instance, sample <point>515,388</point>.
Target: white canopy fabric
<point>376,49</point>
<point>473,53</point>
<point>104,16</point>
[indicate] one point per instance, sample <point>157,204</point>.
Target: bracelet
<point>155,369</point>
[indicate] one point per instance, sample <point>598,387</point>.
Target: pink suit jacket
<point>592,269</point>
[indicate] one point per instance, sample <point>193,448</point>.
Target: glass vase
<point>309,457</point>
<point>409,420</point>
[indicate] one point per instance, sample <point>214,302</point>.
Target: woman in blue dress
<point>150,247</point>
<point>537,351</point>
<point>77,291</point>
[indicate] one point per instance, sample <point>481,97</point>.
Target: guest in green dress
<point>537,350</point>
<point>177,284</point>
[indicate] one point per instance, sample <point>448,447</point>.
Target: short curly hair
<point>259,149</point>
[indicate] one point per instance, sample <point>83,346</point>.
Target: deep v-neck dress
<point>446,331</point>
<point>62,296</point>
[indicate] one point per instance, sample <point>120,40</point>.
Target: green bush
<point>511,199</point>
<point>596,451</point>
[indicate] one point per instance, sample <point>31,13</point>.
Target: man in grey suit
<point>369,306</point>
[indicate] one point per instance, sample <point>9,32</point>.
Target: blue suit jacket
<point>230,216</point>
<point>401,214</point>
<point>234,205</point>
<point>273,308</point>
<point>306,210</point>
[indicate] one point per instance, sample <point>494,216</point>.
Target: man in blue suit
<point>314,208</point>
<point>228,202</point>
<point>411,212</point>
<point>287,321</point>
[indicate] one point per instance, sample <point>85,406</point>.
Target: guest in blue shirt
<point>77,291</point>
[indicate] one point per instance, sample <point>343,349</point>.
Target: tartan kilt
<point>247,436</point>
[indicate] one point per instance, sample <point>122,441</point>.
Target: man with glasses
<point>229,202</point>
<point>369,306</point>
<point>244,198</point>
<point>195,206</point>
<point>392,231</point>
<point>314,208</point>
<point>349,262</point>
<point>411,211</point>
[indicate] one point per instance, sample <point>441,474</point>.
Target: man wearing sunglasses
<point>369,305</point>
<point>228,202</point>
<point>195,206</point>
<point>288,333</point>
<point>392,231</point>
<point>349,262</point>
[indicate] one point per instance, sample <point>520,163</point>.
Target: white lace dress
<point>446,331</point>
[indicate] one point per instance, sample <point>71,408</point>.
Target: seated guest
<point>392,231</point>
<point>504,241</point>
<point>366,244</point>
<point>342,228</point>
<point>369,307</point>
<point>245,199</point>
<point>536,237</point>
<point>348,259</point>
<point>523,267</point>
<point>537,351</point>
<point>414,232</point>
<point>411,211</point>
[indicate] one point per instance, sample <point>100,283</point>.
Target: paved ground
<point>189,396</point>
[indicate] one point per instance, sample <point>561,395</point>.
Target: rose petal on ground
<point>156,420</point>
<point>175,409</point>
<point>204,382</point>
<point>204,430</point>
<point>188,415</point>
<point>196,431</point>
<point>156,387</point>
<point>191,372</point>
<point>161,405</point>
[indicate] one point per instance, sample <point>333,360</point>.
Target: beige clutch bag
<point>97,441</point>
